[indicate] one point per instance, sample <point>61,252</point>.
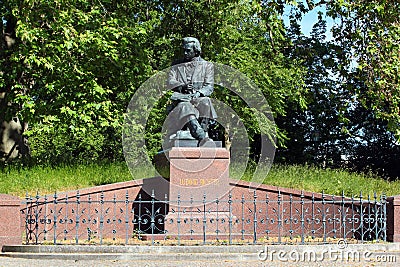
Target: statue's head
<point>191,47</point>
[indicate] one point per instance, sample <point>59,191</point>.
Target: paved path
<point>14,262</point>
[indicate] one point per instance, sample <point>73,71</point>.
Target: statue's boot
<point>197,132</point>
<point>204,124</point>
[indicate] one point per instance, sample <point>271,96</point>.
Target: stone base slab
<point>193,143</point>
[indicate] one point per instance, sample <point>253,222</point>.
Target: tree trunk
<point>12,142</point>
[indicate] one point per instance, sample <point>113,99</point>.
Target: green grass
<point>331,181</point>
<point>20,180</point>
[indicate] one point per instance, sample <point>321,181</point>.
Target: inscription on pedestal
<point>195,172</point>
<point>197,182</point>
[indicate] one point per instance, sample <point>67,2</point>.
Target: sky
<point>310,19</point>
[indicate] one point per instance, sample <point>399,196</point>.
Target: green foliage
<point>344,124</point>
<point>71,74</point>
<point>316,134</point>
<point>77,63</point>
<point>70,68</point>
<point>369,33</point>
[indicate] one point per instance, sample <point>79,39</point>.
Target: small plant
<point>136,234</point>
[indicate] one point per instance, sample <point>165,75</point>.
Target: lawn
<point>19,180</point>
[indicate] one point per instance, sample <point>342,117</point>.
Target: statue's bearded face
<point>188,51</point>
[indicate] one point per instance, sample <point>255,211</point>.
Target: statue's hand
<point>186,88</point>
<point>196,94</point>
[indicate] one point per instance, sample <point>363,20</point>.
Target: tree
<point>12,142</point>
<point>369,33</point>
<point>70,70</point>
<point>340,128</point>
<point>372,147</point>
<point>315,133</point>
<point>75,64</point>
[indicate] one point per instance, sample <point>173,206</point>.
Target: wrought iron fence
<point>253,218</point>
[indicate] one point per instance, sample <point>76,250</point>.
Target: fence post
<point>393,219</point>
<point>10,220</point>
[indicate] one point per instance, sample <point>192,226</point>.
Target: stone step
<point>129,249</point>
<point>183,253</point>
<point>135,256</point>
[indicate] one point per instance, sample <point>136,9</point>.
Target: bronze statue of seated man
<point>192,82</point>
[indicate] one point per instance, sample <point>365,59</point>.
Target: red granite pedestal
<point>198,177</point>
<point>198,174</point>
